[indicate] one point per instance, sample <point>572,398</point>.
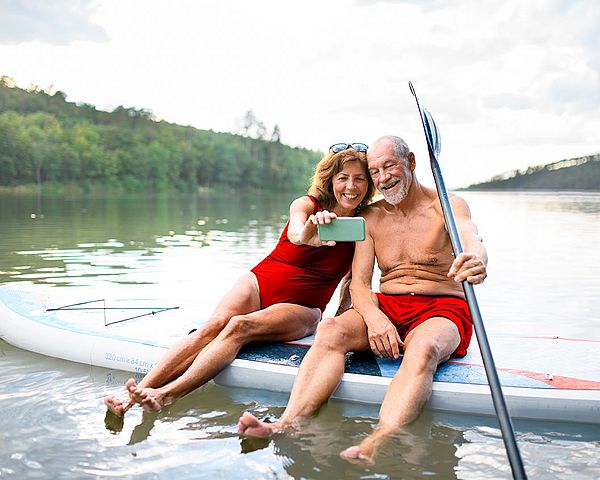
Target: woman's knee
<point>241,327</point>
<point>313,320</point>
<point>215,325</point>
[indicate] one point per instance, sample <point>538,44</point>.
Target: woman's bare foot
<point>116,405</point>
<point>151,399</point>
<point>251,426</point>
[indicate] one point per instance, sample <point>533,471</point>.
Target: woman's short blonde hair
<point>330,165</point>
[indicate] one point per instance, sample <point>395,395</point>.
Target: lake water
<point>543,280</point>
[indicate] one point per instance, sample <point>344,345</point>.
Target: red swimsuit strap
<point>316,202</point>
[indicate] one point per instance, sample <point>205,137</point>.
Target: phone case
<point>343,229</point>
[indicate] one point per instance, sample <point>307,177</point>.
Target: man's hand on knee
<point>383,337</point>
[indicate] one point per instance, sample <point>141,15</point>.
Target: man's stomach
<point>406,285</point>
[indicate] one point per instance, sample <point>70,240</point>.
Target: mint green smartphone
<point>343,229</point>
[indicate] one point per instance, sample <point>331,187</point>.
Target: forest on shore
<point>47,141</point>
<point>573,174</point>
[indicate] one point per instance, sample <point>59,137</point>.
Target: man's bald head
<point>399,146</point>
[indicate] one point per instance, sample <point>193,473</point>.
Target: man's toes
<point>354,455</point>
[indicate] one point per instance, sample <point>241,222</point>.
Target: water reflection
<point>407,455</point>
<point>542,248</point>
<point>543,263</point>
<point>575,202</point>
<point>49,403</point>
<point>80,238</point>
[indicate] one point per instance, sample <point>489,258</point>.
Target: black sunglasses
<point>338,147</point>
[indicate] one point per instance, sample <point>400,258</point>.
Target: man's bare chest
<point>418,241</point>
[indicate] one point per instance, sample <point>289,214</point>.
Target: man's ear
<point>412,163</point>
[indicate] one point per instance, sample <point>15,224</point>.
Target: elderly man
<point>421,310</point>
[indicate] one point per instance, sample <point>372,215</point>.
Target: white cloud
<point>58,22</point>
<point>510,83</point>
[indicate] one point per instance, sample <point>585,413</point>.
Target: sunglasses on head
<point>338,147</point>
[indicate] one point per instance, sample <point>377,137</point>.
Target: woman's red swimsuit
<point>302,274</point>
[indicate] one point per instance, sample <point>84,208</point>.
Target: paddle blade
<point>432,133</point>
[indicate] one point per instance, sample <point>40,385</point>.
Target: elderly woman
<point>280,299</point>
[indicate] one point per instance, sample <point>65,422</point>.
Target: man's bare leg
<point>241,299</point>
<point>319,374</point>
<point>279,322</point>
<point>428,345</point>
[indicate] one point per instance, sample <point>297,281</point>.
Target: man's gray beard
<point>396,197</point>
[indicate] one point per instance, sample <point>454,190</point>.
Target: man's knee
<point>332,334</point>
<point>433,341</point>
<point>425,353</point>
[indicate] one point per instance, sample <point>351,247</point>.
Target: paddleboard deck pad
<point>543,378</point>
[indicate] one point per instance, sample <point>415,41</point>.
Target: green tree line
<point>581,173</point>
<point>44,138</point>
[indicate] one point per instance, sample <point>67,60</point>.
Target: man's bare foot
<point>151,399</point>
<point>354,455</point>
<point>251,426</point>
<point>364,452</point>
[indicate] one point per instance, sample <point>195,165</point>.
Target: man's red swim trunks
<point>408,311</point>
<point>302,274</point>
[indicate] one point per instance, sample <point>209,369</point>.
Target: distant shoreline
<point>526,190</point>
<point>56,188</point>
<point>580,174</point>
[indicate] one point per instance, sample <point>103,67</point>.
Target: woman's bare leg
<point>278,322</point>
<point>241,299</point>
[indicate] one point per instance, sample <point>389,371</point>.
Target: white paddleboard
<point>543,378</point>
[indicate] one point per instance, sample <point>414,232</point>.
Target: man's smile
<point>391,185</point>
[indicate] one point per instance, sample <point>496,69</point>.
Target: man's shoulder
<point>431,197</point>
<point>373,209</point>
<point>458,202</point>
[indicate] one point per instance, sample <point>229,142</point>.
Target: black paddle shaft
<point>508,435</point>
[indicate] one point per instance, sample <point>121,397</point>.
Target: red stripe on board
<point>563,338</point>
<point>557,381</point>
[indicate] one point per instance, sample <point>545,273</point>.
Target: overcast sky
<point>510,83</point>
